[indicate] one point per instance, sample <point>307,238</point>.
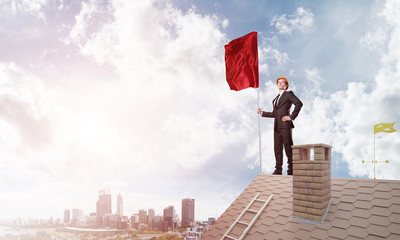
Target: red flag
<point>241,61</point>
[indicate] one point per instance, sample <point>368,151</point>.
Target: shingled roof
<point>360,209</point>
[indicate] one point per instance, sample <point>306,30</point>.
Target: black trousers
<point>283,138</point>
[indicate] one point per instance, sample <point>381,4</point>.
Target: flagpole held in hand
<point>259,130</point>
<point>241,62</point>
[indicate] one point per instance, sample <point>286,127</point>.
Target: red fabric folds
<point>241,61</point>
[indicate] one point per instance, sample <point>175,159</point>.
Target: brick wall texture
<point>311,181</point>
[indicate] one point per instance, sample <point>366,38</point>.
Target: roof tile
<point>378,231</point>
<point>352,184</point>
<point>384,195</point>
<point>396,192</point>
<point>320,234</point>
<point>393,237</point>
<point>358,212</point>
<point>395,199</point>
<point>394,218</point>
<point>292,225</point>
<point>307,227</point>
<point>237,230</point>
<point>348,199</point>
<point>372,237</point>
<point>340,223</point>
<point>381,202</point>
<point>394,228</point>
<point>337,232</point>
<point>255,236</point>
<point>367,190</point>
<point>343,214</point>
<point>367,183</point>
<point>285,235</point>
<point>364,197</point>
<point>380,211</point>
<point>352,238</point>
<point>276,227</point>
<point>359,232</point>
<point>359,222</point>
<point>345,206</point>
<point>395,185</point>
<point>383,186</point>
<point>379,220</point>
<point>395,208</point>
<point>363,204</point>
<point>350,192</point>
<point>303,234</point>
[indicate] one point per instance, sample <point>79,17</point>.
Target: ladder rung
<point>227,236</point>
<point>260,200</point>
<point>244,223</point>
<point>249,210</point>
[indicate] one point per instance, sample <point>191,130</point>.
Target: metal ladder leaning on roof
<point>249,225</point>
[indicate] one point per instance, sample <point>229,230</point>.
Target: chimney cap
<point>312,145</point>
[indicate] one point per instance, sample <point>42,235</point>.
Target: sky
<point>131,96</point>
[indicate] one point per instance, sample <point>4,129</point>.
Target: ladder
<point>249,225</point>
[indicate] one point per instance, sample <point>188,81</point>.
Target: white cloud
<point>167,111</point>
<point>346,118</point>
<point>268,55</point>
<point>302,20</point>
<point>375,39</point>
<point>33,7</point>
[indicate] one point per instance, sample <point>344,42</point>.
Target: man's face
<point>281,84</point>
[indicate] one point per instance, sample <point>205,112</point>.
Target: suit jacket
<point>283,109</point>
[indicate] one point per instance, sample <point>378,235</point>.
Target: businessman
<point>283,123</point>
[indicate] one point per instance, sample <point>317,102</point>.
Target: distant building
<point>119,205</point>
<point>157,219</point>
<point>77,215</point>
<point>187,212</point>
<point>169,216</point>
<point>111,220</point>
<point>211,221</point>
<point>143,216</point>
<point>135,221</point>
<point>103,204</point>
<point>67,215</point>
<point>92,219</point>
<point>124,222</point>
<point>151,218</point>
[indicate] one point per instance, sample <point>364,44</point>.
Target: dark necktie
<point>276,100</point>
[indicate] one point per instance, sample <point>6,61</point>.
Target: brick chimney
<point>311,182</point>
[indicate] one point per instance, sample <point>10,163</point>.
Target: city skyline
<point>104,206</point>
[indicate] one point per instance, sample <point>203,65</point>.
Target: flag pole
<point>374,155</point>
<point>259,129</point>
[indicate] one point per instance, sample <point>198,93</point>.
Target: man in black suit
<point>283,123</point>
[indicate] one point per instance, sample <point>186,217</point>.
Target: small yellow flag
<point>384,127</point>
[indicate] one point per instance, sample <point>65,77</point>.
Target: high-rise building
<point>77,214</point>
<point>143,216</point>
<point>187,212</point>
<point>119,205</point>
<point>135,221</point>
<point>103,204</point>
<point>67,215</point>
<point>169,216</point>
<point>152,213</point>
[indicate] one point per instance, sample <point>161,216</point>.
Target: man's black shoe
<point>277,172</point>
<point>289,173</point>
